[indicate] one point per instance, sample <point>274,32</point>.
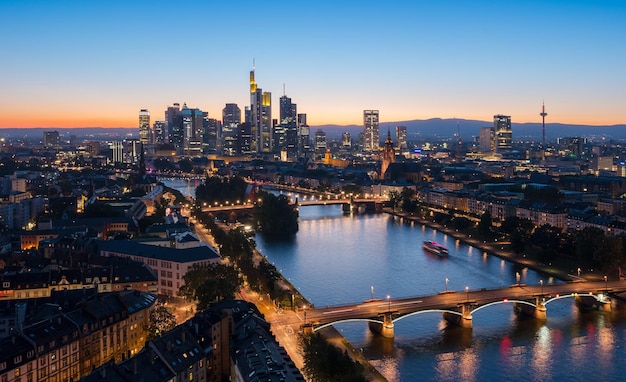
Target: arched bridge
<point>458,307</point>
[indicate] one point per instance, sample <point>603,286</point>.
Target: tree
<point>160,321</point>
<point>484,225</point>
<point>325,362</point>
<point>209,284</point>
<point>275,216</point>
<point>394,199</point>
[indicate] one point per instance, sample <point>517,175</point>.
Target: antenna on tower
<point>284,93</point>
<point>253,64</point>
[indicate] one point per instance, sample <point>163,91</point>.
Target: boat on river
<point>435,248</point>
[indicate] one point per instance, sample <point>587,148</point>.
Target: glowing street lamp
<point>372,290</point>
<point>388,303</point>
<point>446,284</point>
<point>467,292</point>
<point>606,283</point>
<point>541,282</point>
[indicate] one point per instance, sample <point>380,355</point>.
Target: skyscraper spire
<point>543,115</point>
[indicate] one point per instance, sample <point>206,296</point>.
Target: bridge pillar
<point>386,328</point>
<point>463,320</point>
<point>538,311</point>
<point>588,303</point>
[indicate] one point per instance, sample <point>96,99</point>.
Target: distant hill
<point>434,127</point>
<point>99,132</point>
<point>445,128</point>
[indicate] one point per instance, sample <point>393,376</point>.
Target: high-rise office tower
<point>117,152</point>
<point>159,132</point>
<point>174,121</point>
<point>346,141</point>
<point>486,141</point>
<point>144,127</point>
<point>401,137</point>
<point>371,131</point>
<point>244,139</point>
<point>320,141</point>
<point>260,117</point>
<point>193,129</point>
<point>211,135</point>
<point>289,124</point>
<point>304,134</point>
<point>231,119</point>
<point>51,138</point>
<point>503,132</point>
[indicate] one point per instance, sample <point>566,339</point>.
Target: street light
<point>606,283</point>
<point>372,290</point>
<point>517,277</point>
<point>446,284</point>
<point>541,282</point>
<point>304,309</point>
<point>578,272</point>
<point>388,303</point>
<point>467,291</point>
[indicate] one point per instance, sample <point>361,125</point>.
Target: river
<point>338,259</point>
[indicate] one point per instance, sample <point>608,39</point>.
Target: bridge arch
<point>503,302</point>
<point>427,311</point>
<point>347,320</point>
<point>571,295</point>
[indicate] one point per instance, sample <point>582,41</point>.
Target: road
<point>452,299</point>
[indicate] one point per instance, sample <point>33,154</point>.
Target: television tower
<point>543,122</point>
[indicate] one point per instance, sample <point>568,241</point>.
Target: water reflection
<point>336,259</point>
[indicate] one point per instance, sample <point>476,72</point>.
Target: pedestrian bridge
<point>458,307</point>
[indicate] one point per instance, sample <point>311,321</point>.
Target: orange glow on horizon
<point>123,120</point>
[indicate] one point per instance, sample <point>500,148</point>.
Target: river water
<point>338,259</point>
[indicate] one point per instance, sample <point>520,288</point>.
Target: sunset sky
<point>97,63</point>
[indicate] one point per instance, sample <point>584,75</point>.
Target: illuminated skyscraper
<point>401,137</point>
<point>144,127</point>
<point>371,133</point>
<point>174,121</point>
<point>304,134</point>
<point>231,119</point>
<point>289,124</point>
<point>159,132</point>
<point>503,132</point>
<point>260,117</point>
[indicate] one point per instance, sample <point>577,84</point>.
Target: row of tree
<point>589,247</point>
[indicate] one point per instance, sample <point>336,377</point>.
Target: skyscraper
<point>174,122</point>
<point>401,137</point>
<point>289,124</point>
<point>51,138</point>
<point>159,132</point>
<point>304,134</point>
<point>503,132</point>
<point>260,117</point>
<point>193,130</point>
<point>231,119</point>
<point>144,127</point>
<point>486,141</point>
<point>371,133</point>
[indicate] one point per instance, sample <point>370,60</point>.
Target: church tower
<point>389,155</point>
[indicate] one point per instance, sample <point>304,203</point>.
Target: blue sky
<point>96,63</point>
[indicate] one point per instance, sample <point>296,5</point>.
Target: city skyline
<point>72,64</point>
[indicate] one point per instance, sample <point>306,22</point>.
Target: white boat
<point>435,248</point>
